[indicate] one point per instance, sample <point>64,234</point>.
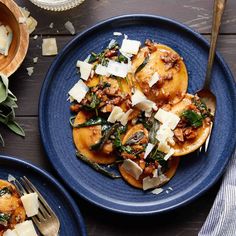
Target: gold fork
<point>46,220</point>
<point>205,93</point>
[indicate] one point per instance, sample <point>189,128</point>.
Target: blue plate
<point>57,197</point>
<point>195,174</point>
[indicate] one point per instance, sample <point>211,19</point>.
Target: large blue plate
<point>195,174</point>
<point>60,201</point>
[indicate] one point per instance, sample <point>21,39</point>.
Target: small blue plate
<point>60,201</point>
<point>195,174</point>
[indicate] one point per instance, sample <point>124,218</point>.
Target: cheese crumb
<point>168,118</point>
<point>35,60</point>
<point>157,191</point>
<point>117,33</point>
<point>149,183</point>
<point>130,46</point>
<point>154,79</point>
<point>132,168</point>
<point>10,233</point>
<point>22,20</point>
<point>70,27</point>
<point>101,70</point>
<point>85,69</point>
<point>25,228</point>
<point>49,47</point>
<point>31,204</point>
<point>35,37</point>
<point>117,69</point>
<point>148,149</point>
<point>78,91</point>
<point>30,70</point>
<point>51,25</point>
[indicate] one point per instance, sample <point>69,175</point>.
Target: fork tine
<point>41,198</point>
<point>208,138</point>
<point>19,187</point>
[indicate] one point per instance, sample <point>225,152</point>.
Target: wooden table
<point>197,14</point>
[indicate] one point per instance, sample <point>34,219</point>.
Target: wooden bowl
<point>9,15</point>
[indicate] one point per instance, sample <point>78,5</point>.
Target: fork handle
<point>219,6</point>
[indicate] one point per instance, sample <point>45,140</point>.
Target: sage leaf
<point>15,127</point>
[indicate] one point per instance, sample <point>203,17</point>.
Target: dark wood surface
<point>186,221</point>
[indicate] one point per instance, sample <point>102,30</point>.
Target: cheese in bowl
<point>131,109</point>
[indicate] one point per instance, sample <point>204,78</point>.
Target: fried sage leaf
<point>96,166</point>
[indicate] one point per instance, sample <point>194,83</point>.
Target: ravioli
<point>173,81</point>
<point>202,132</point>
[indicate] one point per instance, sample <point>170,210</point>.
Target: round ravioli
<point>201,133</point>
<point>85,137</point>
<point>134,133</point>
<point>161,74</point>
<point>172,167</point>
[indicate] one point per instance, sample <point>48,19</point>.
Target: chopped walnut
<point>171,60</point>
<point>151,46</point>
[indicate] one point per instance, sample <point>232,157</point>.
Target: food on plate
<point>14,210</point>
<point>194,126</point>
<point>131,109</point>
<point>164,78</point>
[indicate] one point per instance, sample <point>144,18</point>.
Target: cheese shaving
<point>70,27</point>
<point>49,47</point>
<point>85,69</point>
<point>132,168</point>
<point>148,149</point>
<point>78,91</point>
<point>154,79</point>
<point>157,191</point>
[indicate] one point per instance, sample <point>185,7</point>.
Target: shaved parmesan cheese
<point>51,25</point>
<point>139,99</point>
<point>148,149</point>
<point>31,24</point>
<point>163,147</point>
<point>70,27</point>
<point>125,36</point>
<point>25,228</point>
<point>79,91</point>
<point>35,37</point>
<point>169,154</point>
<point>117,69</point>
<point>157,191</point>
<point>117,33</point>
<point>10,233</point>
<point>49,47</point>
<point>164,133</point>
<point>115,115</point>
<point>155,77</point>
<point>168,118</point>
<point>124,119</point>
<point>132,168</point>
<point>31,204</point>
<point>35,59</point>
<point>101,70</point>
<point>22,20</point>
<point>112,43</point>
<point>85,69</point>
<point>30,70</point>
<point>149,183</point>
<point>130,46</point>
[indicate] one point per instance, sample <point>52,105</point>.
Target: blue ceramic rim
<point>51,179</point>
<point>46,83</point>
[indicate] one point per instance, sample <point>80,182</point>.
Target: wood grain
<point>195,13</point>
